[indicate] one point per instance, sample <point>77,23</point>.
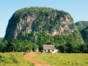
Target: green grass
<point>58,59</point>
<point>14,59</point>
<point>64,59</point>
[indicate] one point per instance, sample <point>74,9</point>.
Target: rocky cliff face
<point>40,20</point>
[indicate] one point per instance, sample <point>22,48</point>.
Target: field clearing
<point>14,59</point>
<point>59,59</point>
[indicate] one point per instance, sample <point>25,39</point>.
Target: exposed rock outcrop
<point>40,20</point>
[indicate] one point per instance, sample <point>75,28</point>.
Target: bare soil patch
<point>35,61</point>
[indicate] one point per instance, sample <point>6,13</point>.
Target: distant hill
<point>83,28</point>
<point>84,33</point>
<point>1,39</point>
<point>81,25</point>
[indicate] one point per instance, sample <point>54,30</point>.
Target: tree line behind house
<point>64,43</point>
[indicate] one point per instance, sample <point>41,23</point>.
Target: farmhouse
<point>49,49</point>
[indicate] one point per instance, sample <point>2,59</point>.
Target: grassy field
<point>58,59</point>
<point>14,59</point>
<point>63,59</point>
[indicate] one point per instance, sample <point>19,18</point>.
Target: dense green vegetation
<point>14,59</point>
<point>64,43</point>
<point>64,59</point>
<point>15,45</point>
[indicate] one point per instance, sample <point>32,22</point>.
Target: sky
<point>78,9</point>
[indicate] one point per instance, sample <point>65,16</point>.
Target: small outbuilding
<point>49,49</point>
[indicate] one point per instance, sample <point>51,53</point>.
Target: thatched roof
<point>49,47</point>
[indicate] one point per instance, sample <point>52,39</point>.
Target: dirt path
<point>35,61</point>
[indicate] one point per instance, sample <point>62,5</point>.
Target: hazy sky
<point>77,8</point>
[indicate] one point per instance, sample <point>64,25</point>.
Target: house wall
<point>45,51</point>
<point>51,51</point>
<point>55,51</point>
